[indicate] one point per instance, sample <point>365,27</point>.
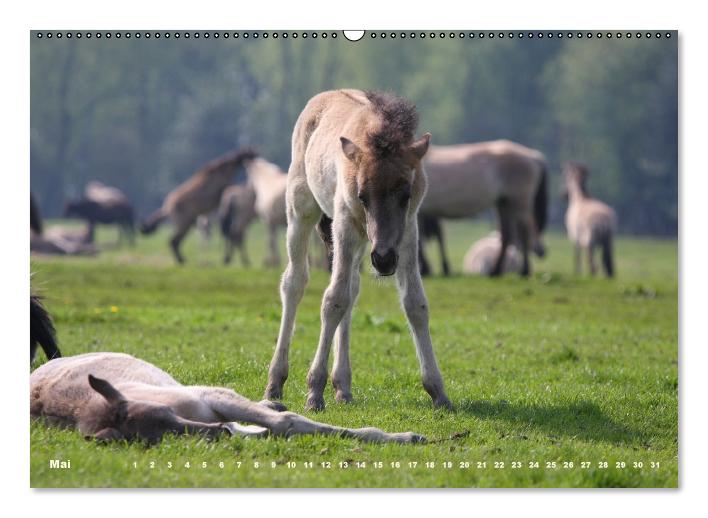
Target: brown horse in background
<point>200,194</point>
<point>466,179</point>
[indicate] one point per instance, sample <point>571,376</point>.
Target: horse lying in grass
<point>482,256</point>
<point>113,396</point>
<point>200,194</point>
<point>356,170</point>
<point>589,222</point>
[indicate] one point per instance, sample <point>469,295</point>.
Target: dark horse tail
<point>153,221</point>
<point>42,330</point>
<point>540,202</point>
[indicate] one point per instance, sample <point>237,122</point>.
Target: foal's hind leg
<point>177,238</point>
<point>233,407</point>
<point>292,287</point>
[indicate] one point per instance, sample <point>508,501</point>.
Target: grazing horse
<point>589,222</point>
<point>482,256</point>
<point>42,331</point>
<point>236,211</point>
<point>354,162</point>
<point>269,182</point>
<point>200,194</point>
<point>466,179</point>
<point>113,396</point>
<point>108,213</point>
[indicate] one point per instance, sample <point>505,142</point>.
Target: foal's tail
<point>153,221</point>
<point>42,330</point>
<point>540,203</point>
<point>607,261</point>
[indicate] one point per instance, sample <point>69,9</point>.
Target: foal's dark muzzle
<point>385,264</point>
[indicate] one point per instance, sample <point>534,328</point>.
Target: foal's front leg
<point>336,303</point>
<point>341,368</point>
<point>415,304</point>
<point>292,288</point>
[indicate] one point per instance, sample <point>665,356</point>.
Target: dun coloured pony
<point>113,396</point>
<point>466,179</point>
<point>107,213</point>
<point>236,211</point>
<point>589,222</point>
<point>354,162</point>
<point>200,194</point>
<point>269,182</point>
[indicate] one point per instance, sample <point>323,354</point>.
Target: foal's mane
<point>399,123</point>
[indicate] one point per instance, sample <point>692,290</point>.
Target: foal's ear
<point>351,150</point>
<point>420,146</point>
<point>104,388</point>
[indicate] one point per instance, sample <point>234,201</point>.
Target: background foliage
<point>143,114</point>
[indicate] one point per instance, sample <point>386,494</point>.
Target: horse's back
<point>74,370</point>
<point>465,179</point>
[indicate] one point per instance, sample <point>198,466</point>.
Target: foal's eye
<point>363,199</point>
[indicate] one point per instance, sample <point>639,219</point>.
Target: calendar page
<point>361,259</point>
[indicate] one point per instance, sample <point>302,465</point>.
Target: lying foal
<point>113,396</point>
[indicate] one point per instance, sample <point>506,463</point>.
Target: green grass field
<point>558,381</point>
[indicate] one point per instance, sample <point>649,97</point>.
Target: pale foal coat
<point>154,403</point>
<point>323,179</point>
<point>270,183</point>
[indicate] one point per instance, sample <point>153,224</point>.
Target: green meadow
<point>557,380</point>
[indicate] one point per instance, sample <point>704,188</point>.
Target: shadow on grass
<point>581,420</point>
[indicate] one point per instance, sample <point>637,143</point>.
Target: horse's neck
<point>576,193</point>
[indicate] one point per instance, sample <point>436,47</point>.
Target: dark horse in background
<point>105,205</point>
<point>466,179</point>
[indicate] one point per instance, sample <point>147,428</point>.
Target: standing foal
<point>354,161</point>
<point>589,222</point>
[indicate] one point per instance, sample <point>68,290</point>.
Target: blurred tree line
<point>143,114</point>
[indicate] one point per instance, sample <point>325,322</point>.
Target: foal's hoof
<point>443,402</point>
<point>315,403</point>
<point>273,392</point>
<point>409,438</point>
<point>343,397</point>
